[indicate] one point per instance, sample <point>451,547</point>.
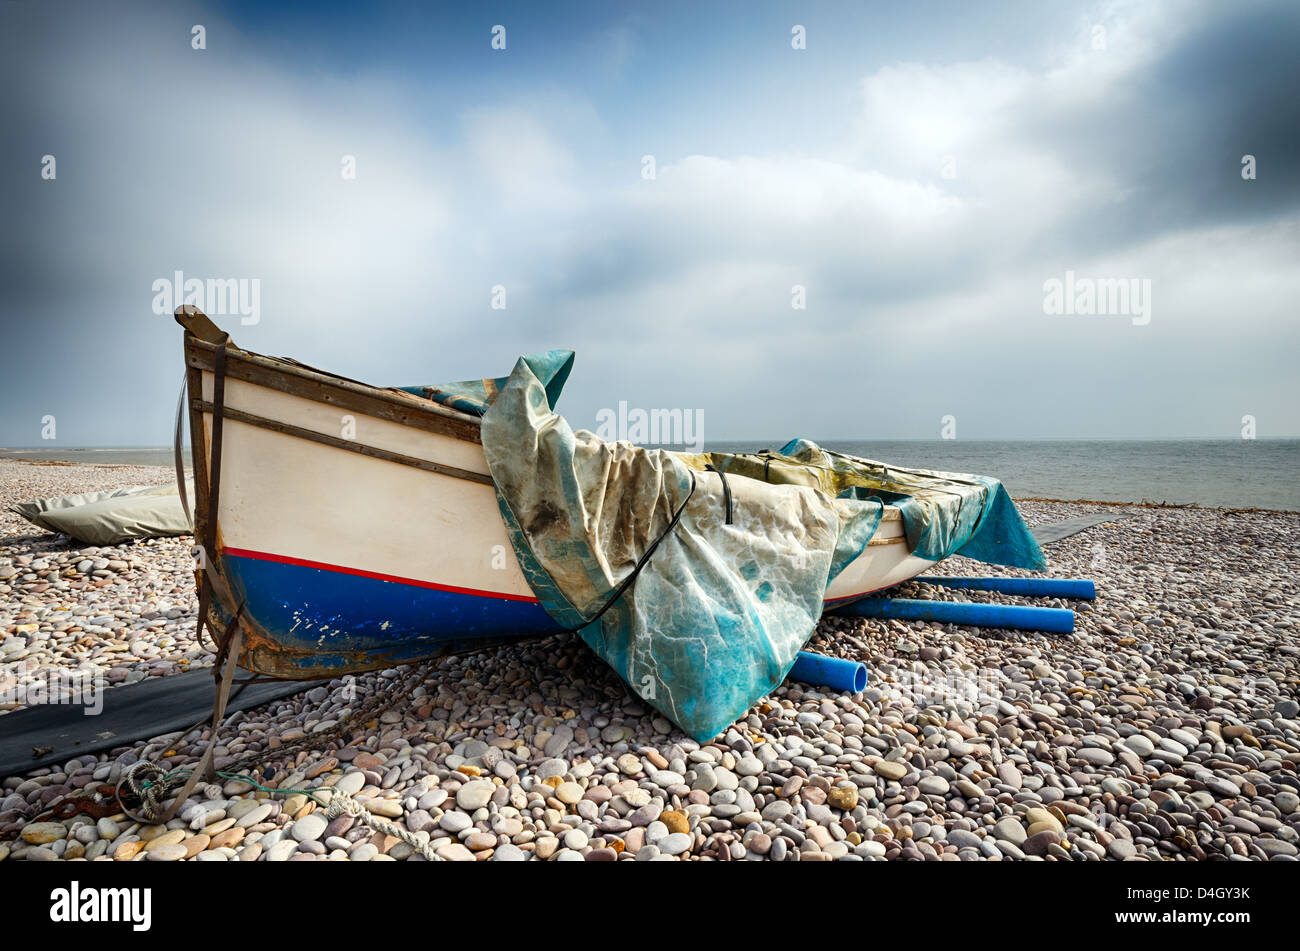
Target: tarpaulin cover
<point>112,516</point>
<point>718,613</point>
<point>944,513</point>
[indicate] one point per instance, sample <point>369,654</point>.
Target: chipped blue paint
<point>326,622</point>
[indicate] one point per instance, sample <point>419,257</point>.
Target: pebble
<point>567,793</point>
<point>455,822</point>
<point>575,839</point>
<point>281,851</point>
<point>890,770</point>
<point>42,833</point>
<point>475,795</point>
<point>169,852</point>
<point>674,843</point>
<point>309,828</point>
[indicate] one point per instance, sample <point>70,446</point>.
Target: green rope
<point>240,777</point>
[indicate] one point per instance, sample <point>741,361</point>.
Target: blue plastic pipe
<point>833,672</point>
<point>1056,620</point>
<point>1080,588</point>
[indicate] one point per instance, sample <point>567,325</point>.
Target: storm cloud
<point>919,172</point>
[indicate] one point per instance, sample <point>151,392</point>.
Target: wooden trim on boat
<point>392,405</point>
<point>287,429</point>
<point>198,452</point>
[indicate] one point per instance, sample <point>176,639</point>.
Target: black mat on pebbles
<point>49,734</point>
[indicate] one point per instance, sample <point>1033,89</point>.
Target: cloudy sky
<point>921,170</point>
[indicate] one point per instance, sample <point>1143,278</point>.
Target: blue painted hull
<point>310,620</point>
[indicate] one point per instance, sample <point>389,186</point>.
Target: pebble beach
<point>1166,727</point>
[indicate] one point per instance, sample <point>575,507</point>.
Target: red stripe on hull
<point>304,563</point>
<point>323,566</point>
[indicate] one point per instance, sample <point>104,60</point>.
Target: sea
<point>1229,473</point>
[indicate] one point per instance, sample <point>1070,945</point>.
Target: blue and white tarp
<point>715,617</point>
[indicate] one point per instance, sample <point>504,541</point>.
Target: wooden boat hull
<point>357,527</point>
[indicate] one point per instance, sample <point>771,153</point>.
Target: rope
<point>342,803</point>
<point>645,558</point>
<point>151,784</point>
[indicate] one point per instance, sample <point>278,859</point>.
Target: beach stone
<point>968,789</point>
<point>843,797</point>
<point>1041,817</point>
<point>963,839</point>
<point>42,833</point>
<point>933,786</point>
<point>167,852</point>
<point>776,810</point>
<point>108,829</point>
<point>455,852</point>
<point>569,793</point>
<point>675,821</point>
<point>1121,849</point>
<point>1037,843</point>
<point>674,843</point>
<point>1116,787</point>
<point>126,851</point>
<point>644,815</point>
<point>1140,745</point>
<point>385,808</point>
<point>1274,847</point>
<point>309,828</point>
<point>164,839</point>
<point>1222,788</point>
<point>552,768</point>
<point>480,841</point>
<point>1009,830</point>
<point>281,851</point>
<point>1096,757</point>
<point>259,813</point>
<point>559,741</point>
<point>352,782</point>
<point>475,794</point>
<point>575,839</point>
<point>890,770</point>
<point>705,779</point>
<point>455,822</point>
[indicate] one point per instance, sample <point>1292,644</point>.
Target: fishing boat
<point>350,527</point>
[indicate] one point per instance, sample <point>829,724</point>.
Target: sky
<point>837,221</point>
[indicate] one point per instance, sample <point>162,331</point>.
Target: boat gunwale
<point>294,379</point>
<point>335,442</point>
